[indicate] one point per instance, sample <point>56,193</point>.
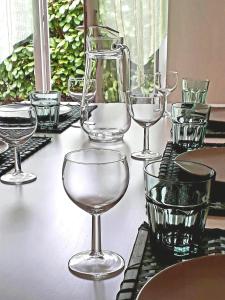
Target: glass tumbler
<point>189,122</point>
<point>178,194</point>
<point>194,91</point>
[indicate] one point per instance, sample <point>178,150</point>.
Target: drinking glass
<point>47,105</point>
<point>178,194</point>
<point>166,84</point>
<point>194,91</point>
<point>95,180</point>
<point>145,109</point>
<point>75,89</point>
<point>189,123</point>
<point>17,124</point>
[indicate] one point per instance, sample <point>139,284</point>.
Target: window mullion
<point>41,46</point>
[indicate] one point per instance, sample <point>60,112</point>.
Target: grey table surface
<point>40,228</point>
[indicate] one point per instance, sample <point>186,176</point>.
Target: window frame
<point>42,67</point>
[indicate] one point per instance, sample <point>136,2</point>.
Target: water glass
<point>47,108</point>
<point>177,204</point>
<point>189,122</point>
<point>194,91</point>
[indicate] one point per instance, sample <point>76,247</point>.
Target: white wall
<point>196,44</point>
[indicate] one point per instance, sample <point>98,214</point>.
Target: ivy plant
<point>66,48</point>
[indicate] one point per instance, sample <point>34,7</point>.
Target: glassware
<point>18,122</point>
<point>194,91</point>
<point>189,122</point>
<point>166,84</point>
<point>177,204</point>
<point>107,61</point>
<point>146,109</point>
<point>75,89</point>
<point>47,106</point>
<point>95,180</point>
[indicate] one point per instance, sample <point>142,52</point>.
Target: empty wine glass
<point>75,89</point>
<point>17,124</point>
<point>146,109</point>
<point>166,83</point>
<point>95,180</point>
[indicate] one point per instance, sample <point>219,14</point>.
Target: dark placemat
<point>145,261</point>
<point>66,120</point>
<point>215,129</point>
<point>26,150</point>
<point>217,206</point>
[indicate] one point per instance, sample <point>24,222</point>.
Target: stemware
<point>95,180</point>
<point>75,89</point>
<point>18,122</point>
<point>166,84</point>
<point>146,110</point>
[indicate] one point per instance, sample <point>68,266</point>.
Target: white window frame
<point>42,68</point>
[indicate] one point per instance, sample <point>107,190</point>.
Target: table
<point>40,228</point>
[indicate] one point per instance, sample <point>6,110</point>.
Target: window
<point>30,56</point>
<point>16,51</point>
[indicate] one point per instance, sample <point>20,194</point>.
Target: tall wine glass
<point>75,89</point>
<point>145,109</point>
<point>95,180</point>
<point>166,83</point>
<point>17,124</point>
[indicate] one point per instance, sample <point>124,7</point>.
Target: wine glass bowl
<point>146,110</point>
<point>166,83</point>
<point>95,180</point>
<point>75,89</point>
<point>18,122</point>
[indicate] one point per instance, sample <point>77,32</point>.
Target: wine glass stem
<point>17,160</point>
<point>96,249</point>
<point>166,102</point>
<point>146,139</point>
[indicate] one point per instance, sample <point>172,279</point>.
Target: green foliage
<point>67,53</point>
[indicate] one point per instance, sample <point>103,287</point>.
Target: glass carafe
<point>105,117</point>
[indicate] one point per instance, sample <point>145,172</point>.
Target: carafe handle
<point>126,62</point>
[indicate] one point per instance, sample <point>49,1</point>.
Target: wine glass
<point>146,109</point>
<point>17,124</point>
<point>166,84</point>
<point>95,180</point>
<point>75,89</point>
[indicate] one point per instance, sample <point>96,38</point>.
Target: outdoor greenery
<point>67,53</point>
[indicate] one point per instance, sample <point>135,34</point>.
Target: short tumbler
<point>177,195</point>
<point>47,108</point>
<point>194,91</point>
<point>189,122</point>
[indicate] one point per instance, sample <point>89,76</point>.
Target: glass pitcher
<point>104,117</point>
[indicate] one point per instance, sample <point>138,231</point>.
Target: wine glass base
<point>18,178</point>
<point>146,155</point>
<point>86,266</point>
